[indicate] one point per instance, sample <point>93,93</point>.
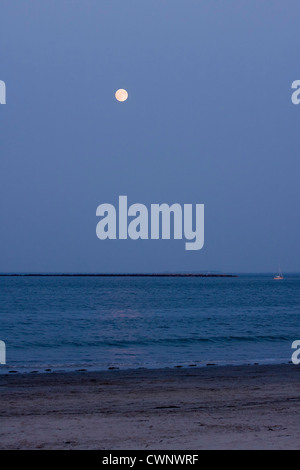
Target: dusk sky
<point>209,120</point>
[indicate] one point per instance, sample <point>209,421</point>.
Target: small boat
<point>278,276</point>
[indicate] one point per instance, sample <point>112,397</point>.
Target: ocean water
<point>99,322</point>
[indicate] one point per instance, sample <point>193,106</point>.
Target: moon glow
<point>121,95</point>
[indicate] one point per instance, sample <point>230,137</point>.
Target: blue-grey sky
<point>209,120</point>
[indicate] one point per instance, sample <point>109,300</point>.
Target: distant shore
<point>223,407</point>
<point>120,275</point>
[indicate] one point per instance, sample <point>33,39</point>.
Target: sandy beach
<point>236,407</point>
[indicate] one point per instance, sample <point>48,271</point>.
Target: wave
<point>153,341</point>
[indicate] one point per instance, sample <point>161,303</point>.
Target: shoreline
<point>219,407</point>
<point>69,369</point>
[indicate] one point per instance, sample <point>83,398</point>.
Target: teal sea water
<point>100,322</point>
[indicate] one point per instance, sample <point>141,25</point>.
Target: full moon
<point>121,95</point>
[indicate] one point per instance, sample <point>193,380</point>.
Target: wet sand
<point>238,407</point>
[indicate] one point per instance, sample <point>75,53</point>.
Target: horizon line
<point>212,273</point>
<point>66,274</point>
